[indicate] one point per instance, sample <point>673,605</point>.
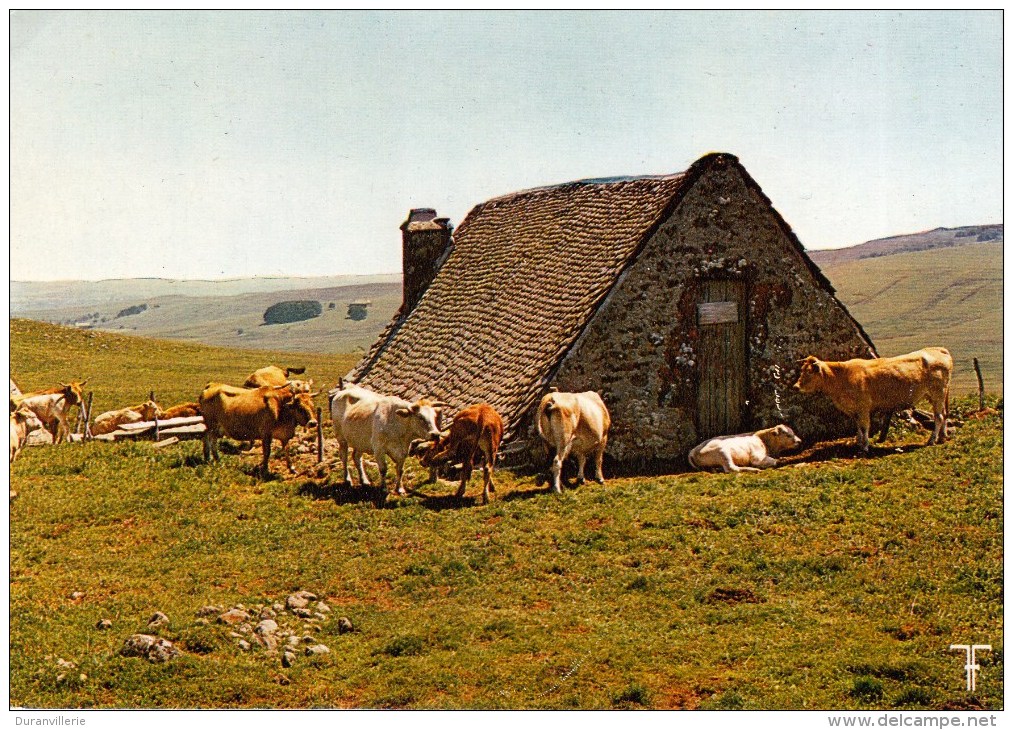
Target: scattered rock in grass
<point>235,635</point>
<point>300,599</point>
<point>209,611</point>
<point>104,624</point>
<point>244,628</point>
<point>287,659</point>
<point>202,622</point>
<point>292,641</point>
<point>321,616</point>
<point>268,613</point>
<point>281,679</point>
<point>344,625</point>
<point>152,648</point>
<point>64,664</point>
<point>302,612</point>
<point>323,607</point>
<point>83,677</point>
<point>309,639</point>
<point>239,607</point>
<point>13,495</point>
<point>76,596</point>
<point>158,619</point>
<point>278,607</point>
<point>266,627</point>
<point>243,644</point>
<point>233,616</point>
<point>317,649</point>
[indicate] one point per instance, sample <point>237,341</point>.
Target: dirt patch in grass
<point>732,595</point>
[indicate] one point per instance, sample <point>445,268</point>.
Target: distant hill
<point>911,242</point>
<point>194,313</point>
<point>29,296</point>
<point>949,295</point>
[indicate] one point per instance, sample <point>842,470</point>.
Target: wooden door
<point>721,318</point>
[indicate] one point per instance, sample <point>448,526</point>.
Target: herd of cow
<point>270,406</point>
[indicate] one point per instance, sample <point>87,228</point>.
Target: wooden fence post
<point>981,386</point>
<point>86,433</point>
<point>320,434</point>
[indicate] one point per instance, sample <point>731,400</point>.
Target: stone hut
<point>685,300</point>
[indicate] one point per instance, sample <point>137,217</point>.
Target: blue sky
<point>214,145</point>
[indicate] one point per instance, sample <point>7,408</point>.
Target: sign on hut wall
<point>717,312</point>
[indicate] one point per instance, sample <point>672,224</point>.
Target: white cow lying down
<point>744,451</point>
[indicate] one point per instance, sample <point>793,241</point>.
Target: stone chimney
<point>425,241</point>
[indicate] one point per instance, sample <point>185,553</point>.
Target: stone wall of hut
<point>640,349</point>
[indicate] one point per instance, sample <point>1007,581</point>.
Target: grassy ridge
<point>947,297</point>
<point>831,585</point>
<point>122,370</point>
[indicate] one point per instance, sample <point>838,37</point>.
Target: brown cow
<point>473,438</point>
<point>251,414</point>
<point>183,410</point>
<point>858,388</point>
<point>52,406</point>
<point>274,375</point>
<point>111,420</point>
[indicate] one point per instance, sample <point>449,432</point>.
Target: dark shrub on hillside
<point>292,311</point>
<point>136,309</point>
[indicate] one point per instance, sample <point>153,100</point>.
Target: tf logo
<point>972,665</point>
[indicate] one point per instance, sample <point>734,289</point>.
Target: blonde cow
<point>574,424</point>
<point>744,451</point>
<point>112,420</point>
<point>859,387</point>
<point>23,422</point>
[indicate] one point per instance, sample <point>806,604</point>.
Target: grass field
<point>839,583</point>
<point>949,297</point>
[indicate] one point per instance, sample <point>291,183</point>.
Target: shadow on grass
<point>340,493</point>
<point>845,449</point>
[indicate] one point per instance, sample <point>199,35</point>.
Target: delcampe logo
<point>972,665</point>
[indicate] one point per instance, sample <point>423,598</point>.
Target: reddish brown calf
<point>473,438</point>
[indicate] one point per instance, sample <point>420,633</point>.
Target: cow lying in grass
<point>859,388</point>
<point>473,438</point>
<point>744,451</point>
<point>183,410</point>
<point>111,420</point>
<point>274,375</point>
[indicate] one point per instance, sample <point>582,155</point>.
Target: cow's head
<point>73,393</point>
<point>25,415</point>
<point>779,438</point>
<point>431,453</point>
<point>301,405</point>
<point>149,410</point>
<point>301,386</point>
<point>811,374</point>
<point>422,419</point>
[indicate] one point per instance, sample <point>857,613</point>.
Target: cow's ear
<point>403,412</point>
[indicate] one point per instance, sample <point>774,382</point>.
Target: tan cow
<point>382,425</point>
<point>23,422</point>
<point>274,375</point>
<point>574,424</point>
<point>112,420</point>
<point>183,410</point>
<point>474,437</point>
<point>744,451</point>
<point>859,387</point>
<point>254,414</point>
<point>52,407</point>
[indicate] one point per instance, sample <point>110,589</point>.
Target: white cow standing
<point>577,424</point>
<point>382,425</point>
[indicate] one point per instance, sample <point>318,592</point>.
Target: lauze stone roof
<point>526,273</point>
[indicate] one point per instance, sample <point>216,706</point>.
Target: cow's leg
<point>599,455</point>
<point>265,468</point>
<point>398,475</point>
<point>557,466</point>
<point>885,427</point>
<point>768,462</point>
<point>939,417</point>
<point>863,420</point>
<point>381,465</point>
<point>343,450</point>
<point>466,468</point>
<point>488,465</point>
<point>288,456</point>
<point>363,479</point>
<point>581,460</point>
